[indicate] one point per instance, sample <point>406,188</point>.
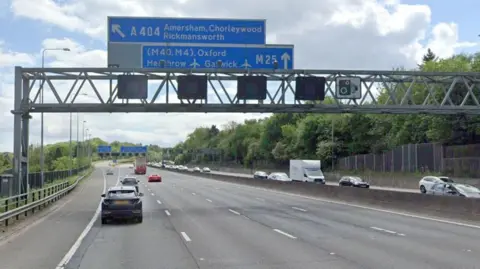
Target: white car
<point>426,183</point>
<point>197,169</point>
<point>206,170</point>
<point>279,177</point>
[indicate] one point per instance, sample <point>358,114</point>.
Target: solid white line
<point>234,212</point>
<point>209,200</point>
<point>284,233</point>
<point>84,233</point>
<point>185,236</point>
<point>168,213</point>
<point>158,201</point>
<point>299,209</point>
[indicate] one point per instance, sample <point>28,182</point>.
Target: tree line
<point>284,136</point>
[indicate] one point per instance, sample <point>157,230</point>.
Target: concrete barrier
<point>435,206</point>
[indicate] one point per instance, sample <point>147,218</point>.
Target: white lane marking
<point>149,190</point>
<point>260,199</point>
<point>158,201</point>
<point>386,231</point>
<point>444,221</point>
<point>194,193</point>
<point>234,212</point>
<point>299,209</point>
<point>63,263</point>
<point>152,194</point>
<point>284,233</point>
<point>217,188</point>
<point>167,212</point>
<point>209,200</point>
<point>185,236</point>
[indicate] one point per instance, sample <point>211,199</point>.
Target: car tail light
<point>134,201</point>
<point>106,203</point>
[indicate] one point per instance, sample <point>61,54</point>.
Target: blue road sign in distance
<point>186,30</point>
<point>208,57</point>
<point>104,149</point>
<point>134,149</point>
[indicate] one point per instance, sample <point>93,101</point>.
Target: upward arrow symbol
<point>285,58</point>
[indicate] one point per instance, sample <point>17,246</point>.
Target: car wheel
<point>140,219</point>
<point>422,189</point>
<point>104,220</point>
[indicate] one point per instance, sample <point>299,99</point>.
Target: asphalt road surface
<point>192,222</point>
<point>328,183</point>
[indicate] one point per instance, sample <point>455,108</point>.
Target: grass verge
<point>7,204</point>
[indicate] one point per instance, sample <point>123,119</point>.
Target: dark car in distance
<point>122,202</point>
<point>352,181</point>
<point>130,181</point>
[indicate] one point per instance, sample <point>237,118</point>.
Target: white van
<point>306,171</point>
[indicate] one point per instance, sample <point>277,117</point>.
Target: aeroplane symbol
<point>245,64</point>
<point>194,64</point>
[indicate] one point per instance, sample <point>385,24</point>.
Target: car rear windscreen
<point>122,194</point>
<point>129,181</point>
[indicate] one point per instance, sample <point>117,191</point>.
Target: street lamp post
<point>42,156</point>
<point>83,141</point>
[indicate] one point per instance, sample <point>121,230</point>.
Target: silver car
<point>454,189</point>
<point>130,181</point>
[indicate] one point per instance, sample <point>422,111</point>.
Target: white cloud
<point>330,34</point>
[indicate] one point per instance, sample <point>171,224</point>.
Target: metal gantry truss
<point>389,92</point>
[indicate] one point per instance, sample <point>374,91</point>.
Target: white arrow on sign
<point>116,29</point>
<point>285,58</point>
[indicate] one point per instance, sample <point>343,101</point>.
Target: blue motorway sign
<point>186,30</point>
<point>208,57</point>
<point>104,149</point>
<point>137,149</point>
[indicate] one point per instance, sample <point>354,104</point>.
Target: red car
<point>154,178</point>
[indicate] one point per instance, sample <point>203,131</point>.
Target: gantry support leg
<point>20,134</point>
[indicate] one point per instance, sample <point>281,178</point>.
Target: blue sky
<point>463,12</point>
<point>25,35</point>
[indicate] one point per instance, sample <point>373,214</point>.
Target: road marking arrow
<point>116,29</point>
<point>285,58</point>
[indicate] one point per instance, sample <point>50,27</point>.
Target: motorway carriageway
<point>328,183</point>
<point>193,222</point>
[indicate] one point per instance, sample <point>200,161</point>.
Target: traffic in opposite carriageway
<point>329,181</point>
<point>448,207</point>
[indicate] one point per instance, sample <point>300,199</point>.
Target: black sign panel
<point>132,87</point>
<point>252,88</point>
<point>192,87</point>
<point>310,88</point>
